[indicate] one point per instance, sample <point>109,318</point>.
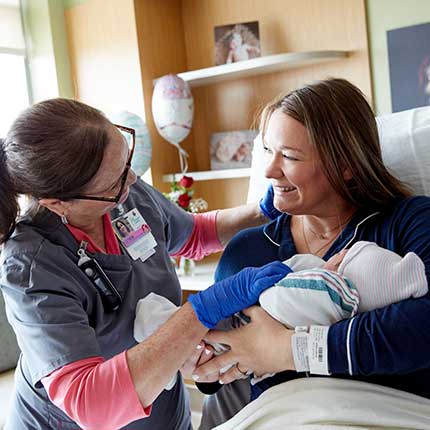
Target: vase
<point>185,266</point>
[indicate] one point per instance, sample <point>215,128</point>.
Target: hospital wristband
<point>299,346</point>
<point>318,350</point>
<point>310,351</point>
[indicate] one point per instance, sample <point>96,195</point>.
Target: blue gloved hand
<point>235,293</point>
<point>266,205</point>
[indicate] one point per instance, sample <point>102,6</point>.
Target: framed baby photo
<point>231,149</point>
<point>237,42</point>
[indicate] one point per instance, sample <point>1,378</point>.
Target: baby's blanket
<point>332,404</point>
<point>311,297</point>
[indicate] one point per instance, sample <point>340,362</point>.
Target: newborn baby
<point>359,279</point>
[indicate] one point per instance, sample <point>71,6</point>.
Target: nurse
<point>71,286</point>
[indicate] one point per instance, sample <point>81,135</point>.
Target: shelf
<point>210,175</point>
<point>257,66</point>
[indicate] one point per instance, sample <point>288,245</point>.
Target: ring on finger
<point>243,372</point>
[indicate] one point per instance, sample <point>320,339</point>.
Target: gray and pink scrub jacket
<point>58,316</point>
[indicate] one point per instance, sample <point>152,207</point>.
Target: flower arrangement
<point>181,193</point>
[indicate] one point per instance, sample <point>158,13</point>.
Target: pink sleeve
<point>204,238</point>
<point>96,393</point>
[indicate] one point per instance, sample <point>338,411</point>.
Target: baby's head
<point>334,261</point>
<point>236,40</point>
<point>385,266</point>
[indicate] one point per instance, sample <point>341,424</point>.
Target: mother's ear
<point>347,175</point>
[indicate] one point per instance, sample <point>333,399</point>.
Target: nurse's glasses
<point>115,199</point>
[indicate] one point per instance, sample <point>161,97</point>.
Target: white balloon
<point>143,151</point>
<point>172,108</point>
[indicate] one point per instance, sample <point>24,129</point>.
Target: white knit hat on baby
<point>381,276</point>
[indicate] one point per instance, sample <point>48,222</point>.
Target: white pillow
<point>258,183</point>
<point>405,143</point>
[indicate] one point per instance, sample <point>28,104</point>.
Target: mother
<point>71,287</point>
<point>325,165</point>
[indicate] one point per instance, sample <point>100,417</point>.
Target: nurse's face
<point>107,181</point>
<point>294,167</point>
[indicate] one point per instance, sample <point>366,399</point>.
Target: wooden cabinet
<point>147,39</point>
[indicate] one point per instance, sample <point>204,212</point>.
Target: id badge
<point>135,235</point>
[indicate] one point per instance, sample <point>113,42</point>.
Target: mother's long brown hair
<point>342,127</point>
<point>53,149</point>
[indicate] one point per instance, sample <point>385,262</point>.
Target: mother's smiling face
<point>323,152</point>
<point>295,169</point>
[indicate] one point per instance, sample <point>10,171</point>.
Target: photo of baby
<point>237,42</point>
<point>231,150</point>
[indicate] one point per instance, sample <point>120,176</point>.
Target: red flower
<point>184,200</point>
<point>186,181</point>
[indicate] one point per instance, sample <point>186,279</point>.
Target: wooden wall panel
<point>104,55</point>
<point>162,51</point>
<point>223,194</point>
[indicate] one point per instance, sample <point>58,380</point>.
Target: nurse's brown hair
<point>342,127</point>
<point>53,149</point>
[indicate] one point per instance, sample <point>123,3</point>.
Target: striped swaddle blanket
<point>369,277</point>
<point>311,297</point>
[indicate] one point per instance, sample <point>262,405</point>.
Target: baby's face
<point>236,40</point>
<point>333,263</point>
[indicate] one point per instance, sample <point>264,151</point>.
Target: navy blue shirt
<point>388,346</point>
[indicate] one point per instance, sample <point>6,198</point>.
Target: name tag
<point>135,235</point>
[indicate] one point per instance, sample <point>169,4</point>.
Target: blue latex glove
<point>266,205</point>
<point>235,293</point>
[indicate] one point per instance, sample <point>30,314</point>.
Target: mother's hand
<point>263,346</point>
<point>200,355</point>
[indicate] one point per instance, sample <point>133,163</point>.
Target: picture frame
<point>232,149</point>
<point>409,64</point>
<point>237,42</point>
